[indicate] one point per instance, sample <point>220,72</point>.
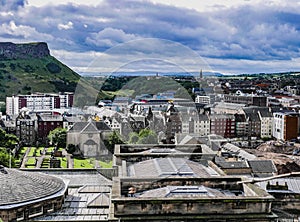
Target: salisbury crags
<point>10,50</point>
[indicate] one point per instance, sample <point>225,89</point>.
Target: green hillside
<point>29,75</point>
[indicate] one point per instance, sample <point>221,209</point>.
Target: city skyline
<point>231,36</point>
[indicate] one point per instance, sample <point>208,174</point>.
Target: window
<point>49,208</point>
<point>36,211</point>
<point>20,215</point>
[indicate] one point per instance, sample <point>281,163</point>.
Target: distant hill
<point>28,68</point>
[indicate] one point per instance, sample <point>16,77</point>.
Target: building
<point>202,125</point>
<point>23,195</point>
<point>47,123</point>
<point>161,183</point>
<point>223,125</point>
<point>202,99</point>
<point>38,102</point>
<point>89,137</point>
<point>285,125</point>
<point>253,121</point>
<point>26,128</point>
<point>266,120</point>
<point>248,99</point>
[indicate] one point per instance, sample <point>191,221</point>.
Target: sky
<point>226,36</point>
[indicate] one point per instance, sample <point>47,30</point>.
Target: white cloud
<point>109,37</point>
<point>66,26</point>
<point>23,31</point>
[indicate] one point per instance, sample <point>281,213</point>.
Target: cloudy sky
<point>228,36</point>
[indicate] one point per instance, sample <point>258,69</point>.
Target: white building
<point>202,99</point>
<point>202,125</point>
<point>285,125</point>
<point>38,102</point>
<point>266,121</point>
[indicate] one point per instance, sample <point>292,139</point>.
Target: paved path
<point>70,161</point>
<point>25,158</point>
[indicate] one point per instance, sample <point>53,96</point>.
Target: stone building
<point>25,195</point>
<point>181,184</point>
<point>89,137</point>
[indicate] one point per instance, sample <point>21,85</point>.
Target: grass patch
<point>30,161</point>
<point>49,150</point>
<point>83,163</point>
<point>39,150</point>
<point>46,163</point>
<point>32,151</point>
<point>63,162</point>
<point>105,164</point>
<point>23,150</point>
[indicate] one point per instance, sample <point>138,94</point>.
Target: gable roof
<point>90,126</point>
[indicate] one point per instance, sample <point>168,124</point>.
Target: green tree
<point>113,138</point>
<point>145,136</point>
<point>8,140</point>
<point>58,137</point>
<point>6,159</point>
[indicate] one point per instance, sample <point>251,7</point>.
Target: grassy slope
<point>25,76</point>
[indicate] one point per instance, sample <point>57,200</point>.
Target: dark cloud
<point>261,32</point>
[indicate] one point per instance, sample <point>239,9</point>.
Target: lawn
<point>105,164</point>
<point>63,162</point>
<point>23,150</point>
<point>50,150</point>
<point>83,163</point>
<point>30,161</point>
<point>39,150</point>
<point>32,150</point>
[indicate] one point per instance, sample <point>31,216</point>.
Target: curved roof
<point>21,186</point>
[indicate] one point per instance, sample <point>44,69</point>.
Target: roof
<point>162,167</point>
<point>186,191</point>
<point>90,126</point>
<point>293,183</point>
<point>241,153</point>
<point>222,163</point>
<point>50,118</point>
<point>20,186</point>
<point>262,166</point>
<point>252,113</point>
<point>80,206</point>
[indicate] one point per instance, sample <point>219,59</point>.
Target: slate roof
<point>252,114</point>
<point>262,166</point>
<point>232,164</point>
<point>89,126</point>
<point>21,186</point>
<point>185,191</point>
<point>162,167</point>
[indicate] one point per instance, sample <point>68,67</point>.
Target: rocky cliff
<point>10,50</point>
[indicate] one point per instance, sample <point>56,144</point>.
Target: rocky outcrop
<point>10,50</point>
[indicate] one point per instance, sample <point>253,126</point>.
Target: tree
<point>8,140</point>
<point>113,138</point>
<point>145,136</point>
<point>6,159</point>
<point>58,136</point>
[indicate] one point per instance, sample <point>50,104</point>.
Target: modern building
<point>247,99</point>
<point>26,195</point>
<point>202,99</point>
<point>38,102</point>
<point>266,121</point>
<point>223,125</point>
<point>285,125</point>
